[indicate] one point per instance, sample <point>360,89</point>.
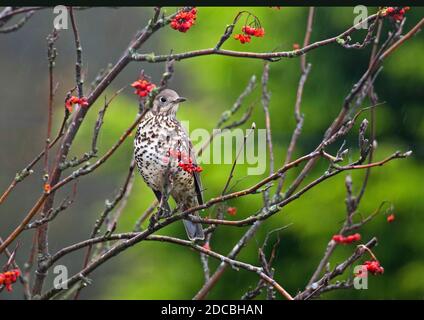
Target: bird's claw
<point>152,222</point>
<point>163,212</point>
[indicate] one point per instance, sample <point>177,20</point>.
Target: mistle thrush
<point>166,160</point>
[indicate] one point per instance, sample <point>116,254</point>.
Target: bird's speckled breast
<point>159,145</point>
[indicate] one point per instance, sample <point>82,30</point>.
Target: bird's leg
<point>178,208</point>
<point>152,221</point>
<point>164,209</point>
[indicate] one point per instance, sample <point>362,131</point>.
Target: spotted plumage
<point>160,145</point>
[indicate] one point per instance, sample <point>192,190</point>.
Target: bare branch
<point>19,24</point>
<point>271,56</point>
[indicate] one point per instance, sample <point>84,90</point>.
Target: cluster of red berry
<point>372,267</point>
<point>75,100</point>
<point>184,20</point>
<point>256,32</point>
<point>242,38</point>
<point>346,240</point>
<point>9,277</point>
<point>190,167</point>
<point>248,32</point>
<point>396,13</point>
<point>142,87</point>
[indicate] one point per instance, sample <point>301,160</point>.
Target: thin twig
<point>338,270</point>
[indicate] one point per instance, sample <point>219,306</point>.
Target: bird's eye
<point>162,99</point>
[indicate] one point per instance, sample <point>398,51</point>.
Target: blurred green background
<point>212,83</point>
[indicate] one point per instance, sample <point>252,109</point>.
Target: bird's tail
<point>194,230</point>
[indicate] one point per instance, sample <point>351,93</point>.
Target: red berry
<point>232,211</point>
<point>260,32</point>
<point>390,10</point>
<point>47,188</point>
<point>391,218</point>
<point>248,30</point>
<point>338,238</point>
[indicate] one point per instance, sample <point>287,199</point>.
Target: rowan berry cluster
<point>184,20</point>
<point>142,87</point>
<point>250,29</point>
<point>9,277</point>
<point>190,167</point>
<point>348,239</point>
<point>75,100</point>
<point>248,33</point>
<point>256,32</point>
<point>372,267</point>
<point>396,13</point>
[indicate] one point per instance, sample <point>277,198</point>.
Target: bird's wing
<point>196,175</point>
<point>192,154</point>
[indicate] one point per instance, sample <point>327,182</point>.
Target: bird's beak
<point>178,100</point>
